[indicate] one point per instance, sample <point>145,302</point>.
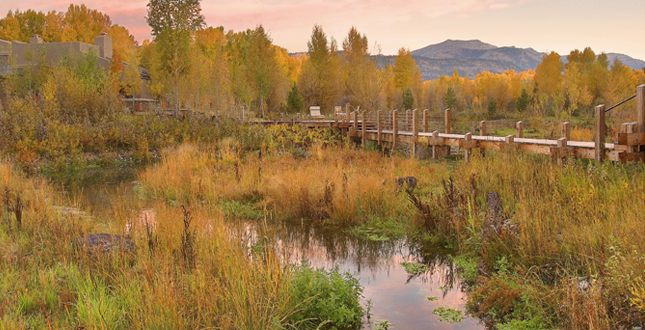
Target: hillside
<point>628,61</point>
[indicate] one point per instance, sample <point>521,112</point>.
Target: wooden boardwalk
<point>395,128</point>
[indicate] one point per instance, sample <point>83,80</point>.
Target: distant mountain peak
<point>451,45</point>
<point>472,57</point>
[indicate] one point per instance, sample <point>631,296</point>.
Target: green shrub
<point>327,299</point>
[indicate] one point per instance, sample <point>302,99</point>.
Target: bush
<point>327,299</point>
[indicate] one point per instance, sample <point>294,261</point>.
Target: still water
<point>395,298</point>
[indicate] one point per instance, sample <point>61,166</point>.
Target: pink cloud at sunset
<point>542,24</point>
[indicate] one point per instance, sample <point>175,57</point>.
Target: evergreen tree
<point>450,98</point>
<point>492,109</point>
<point>295,101</point>
<point>408,99</point>
<point>523,101</point>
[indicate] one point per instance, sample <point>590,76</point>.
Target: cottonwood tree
<point>125,61</point>
<point>172,23</point>
<point>206,85</point>
<point>259,70</point>
<point>549,78</point>
<point>78,23</point>
<point>265,73</point>
<point>363,80</point>
<point>406,74</point>
<point>320,79</point>
<point>83,24</point>
<point>621,84</point>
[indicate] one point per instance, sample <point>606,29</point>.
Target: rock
<point>583,284</point>
<point>493,215</point>
<point>103,243</point>
<point>407,182</point>
<point>495,222</point>
<point>494,207</point>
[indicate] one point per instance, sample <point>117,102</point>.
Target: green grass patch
<point>329,299</point>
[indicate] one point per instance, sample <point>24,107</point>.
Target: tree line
<point>209,69</point>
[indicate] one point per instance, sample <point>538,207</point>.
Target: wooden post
<point>520,129</point>
<point>561,145</point>
<point>379,128</point>
<point>566,131</point>
<point>468,137</point>
<point>395,128</point>
<point>640,109</point>
<point>355,121</point>
<point>631,128</point>
<point>363,128</point>
<point>510,140</point>
<point>298,117</point>
<point>482,128</point>
<point>281,116</point>
<point>482,132</point>
<point>600,133</point>
<point>415,131</point>
<point>640,112</point>
<point>425,120</point>
<point>447,130</point>
<point>346,113</point>
<point>435,135</point>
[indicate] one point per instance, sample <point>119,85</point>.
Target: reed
<point>197,274</point>
<point>571,233</point>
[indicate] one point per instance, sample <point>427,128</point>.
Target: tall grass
<point>47,282</point>
<point>577,237</point>
<point>570,255</point>
<point>334,185</point>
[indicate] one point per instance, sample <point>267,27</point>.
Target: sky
<point>545,25</point>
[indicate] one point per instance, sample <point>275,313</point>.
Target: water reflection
<point>393,294</point>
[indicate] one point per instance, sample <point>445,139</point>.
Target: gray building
<point>16,54</point>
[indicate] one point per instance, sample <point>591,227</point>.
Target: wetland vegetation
<point>226,224</point>
<point>569,257</point>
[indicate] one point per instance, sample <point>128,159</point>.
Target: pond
<point>395,298</point>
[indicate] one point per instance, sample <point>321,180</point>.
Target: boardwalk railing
<point>416,128</point>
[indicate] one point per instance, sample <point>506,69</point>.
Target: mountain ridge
<point>474,56</point>
<point>471,57</point>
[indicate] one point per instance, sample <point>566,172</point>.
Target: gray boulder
<point>495,222</point>
<point>103,243</point>
<point>406,182</point>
